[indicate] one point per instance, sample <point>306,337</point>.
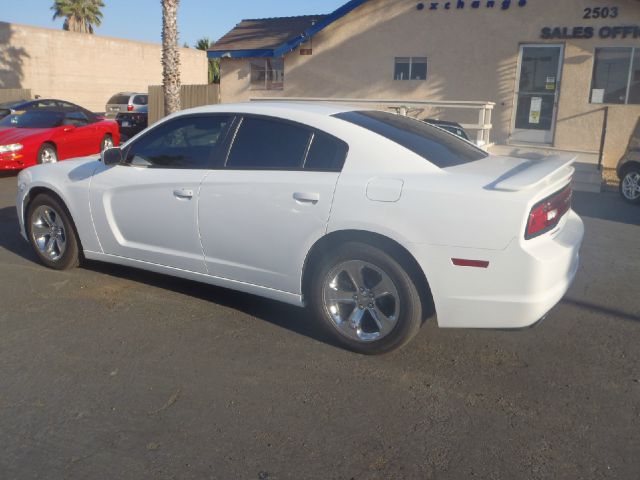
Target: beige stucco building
<point>82,68</point>
<point>551,67</point>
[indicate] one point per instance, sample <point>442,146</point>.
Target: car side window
<point>268,144</point>
<point>185,142</point>
<point>140,100</point>
<point>77,119</point>
<point>326,153</point>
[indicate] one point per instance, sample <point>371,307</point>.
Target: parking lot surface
<point>112,373</point>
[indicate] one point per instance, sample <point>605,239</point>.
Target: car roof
<point>277,108</point>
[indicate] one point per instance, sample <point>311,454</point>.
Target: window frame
<point>235,128</point>
<point>265,86</point>
<point>633,51</point>
<point>215,155</point>
<point>411,62</point>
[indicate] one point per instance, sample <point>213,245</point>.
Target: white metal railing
<point>408,107</point>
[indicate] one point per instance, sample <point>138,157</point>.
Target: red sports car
<point>48,135</point>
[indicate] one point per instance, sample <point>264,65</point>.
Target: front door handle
<point>306,197</point>
<point>183,193</point>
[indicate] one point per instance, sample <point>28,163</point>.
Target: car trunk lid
<point>517,174</point>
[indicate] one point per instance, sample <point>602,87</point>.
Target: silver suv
<point>126,102</point>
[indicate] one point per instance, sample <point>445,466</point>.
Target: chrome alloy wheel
<point>48,155</point>
<point>48,233</point>
<point>362,300</point>
<point>631,185</point>
<point>107,143</point>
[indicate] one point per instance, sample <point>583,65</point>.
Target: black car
<point>48,103</point>
<point>628,169</point>
<point>451,127</point>
<point>132,123</point>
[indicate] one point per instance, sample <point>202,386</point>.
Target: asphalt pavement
<point>112,373</point>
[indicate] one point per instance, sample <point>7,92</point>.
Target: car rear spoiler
<point>533,173</point>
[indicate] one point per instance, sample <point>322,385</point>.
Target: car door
<point>146,208</point>
<point>264,208</point>
<point>77,137</point>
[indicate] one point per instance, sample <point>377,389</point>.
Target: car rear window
<point>119,99</point>
<point>441,148</point>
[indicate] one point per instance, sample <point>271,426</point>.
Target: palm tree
<point>214,63</point>
<point>79,15</point>
<point>170,56</point>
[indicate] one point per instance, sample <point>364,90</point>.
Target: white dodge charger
<point>367,217</point>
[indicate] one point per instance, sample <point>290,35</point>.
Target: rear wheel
<point>630,184</point>
<point>47,154</point>
<point>51,233</point>
<point>365,299</point>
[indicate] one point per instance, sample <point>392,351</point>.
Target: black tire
<point>408,319</point>
<point>104,141</point>
<point>45,150</point>
<point>630,173</point>
<point>70,256</point>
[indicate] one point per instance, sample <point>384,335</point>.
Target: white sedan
<point>367,217</point>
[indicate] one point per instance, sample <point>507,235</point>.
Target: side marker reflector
<point>462,262</point>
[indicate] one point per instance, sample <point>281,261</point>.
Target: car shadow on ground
<point>290,317</point>
<point>605,311</point>
<point>10,238</point>
<point>606,206</point>
<point>283,315</point>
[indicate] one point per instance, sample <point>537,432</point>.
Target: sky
<point>141,19</point>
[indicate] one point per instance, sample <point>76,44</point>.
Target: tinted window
<point>186,142</point>
<point>326,153</point>
<point>439,147</point>
<point>140,100</point>
<point>42,104</point>
<point>268,144</point>
<point>78,119</point>
<point>119,99</point>
<point>33,119</point>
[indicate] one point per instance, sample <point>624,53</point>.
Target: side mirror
<point>68,128</point>
<point>111,156</point>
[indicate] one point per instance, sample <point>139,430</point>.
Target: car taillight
<point>129,108</point>
<point>546,214</point>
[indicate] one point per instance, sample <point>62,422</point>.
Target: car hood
<point>69,170</point>
<point>9,135</point>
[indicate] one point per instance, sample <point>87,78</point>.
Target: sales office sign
<point>585,32</point>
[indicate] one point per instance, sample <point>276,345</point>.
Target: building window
<point>616,76</point>
<point>410,68</point>
<point>267,74</point>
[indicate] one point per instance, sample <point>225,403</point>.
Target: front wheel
<point>51,233</point>
<point>630,185</point>
<point>47,154</point>
<point>365,299</point>
<point>107,142</point>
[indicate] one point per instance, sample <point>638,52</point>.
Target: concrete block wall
<point>85,69</point>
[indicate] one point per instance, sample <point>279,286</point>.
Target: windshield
<point>441,148</point>
<point>33,119</point>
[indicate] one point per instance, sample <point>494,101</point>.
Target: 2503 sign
<point>600,12</point>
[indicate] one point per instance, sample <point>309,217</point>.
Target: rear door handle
<point>306,197</point>
<point>183,193</point>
